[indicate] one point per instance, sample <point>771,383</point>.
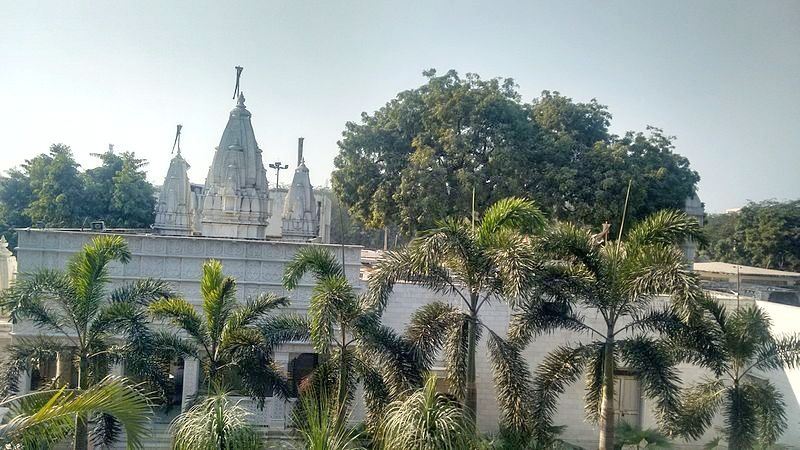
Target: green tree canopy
<point>417,159</point>
<point>50,189</point>
<point>764,234</point>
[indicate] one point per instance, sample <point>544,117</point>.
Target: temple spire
<point>300,221</point>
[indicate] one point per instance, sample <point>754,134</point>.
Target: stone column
<point>282,411</point>
<point>24,382</point>
<point>60,363</point>
<point>118,369</point>
<point>191,381</point>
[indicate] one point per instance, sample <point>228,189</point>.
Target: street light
<point>278,167</point>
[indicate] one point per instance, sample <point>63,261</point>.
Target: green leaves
<point>215,423</point>
<point>46,417</point>
<point>426,419</point>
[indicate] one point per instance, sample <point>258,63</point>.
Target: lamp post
<point>278,167</point>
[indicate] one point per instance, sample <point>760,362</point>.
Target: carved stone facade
<point>176,205</point>
<point>236,195</point>
<point>300,219</point>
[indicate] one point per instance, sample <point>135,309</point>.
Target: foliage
<point>627,434</point>
<point>215,423</point>
<point>50,189</point>
<point>73,305</point>
<point>490,261</point>
<point>764,234</point>
<point>233,339</point>
<point>44,418</point>
<point>426,420</point>
<point>737,348</point>
<point>418,159</point>
<point>353,345</point>
<point>318,420</point>
<point>619,280</point>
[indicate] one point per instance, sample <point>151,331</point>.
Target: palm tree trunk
<point>471,395</point>
<point>607,402</point>
<point>81,441</point>
<point>341,396</point>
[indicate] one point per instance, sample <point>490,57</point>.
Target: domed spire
<point>175,201</point>
<point>236,191</point>
<point>300,220</point>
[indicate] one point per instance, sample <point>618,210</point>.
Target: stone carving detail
<point>300,221</point>
<point>236,193</point>
<point>174,210</point>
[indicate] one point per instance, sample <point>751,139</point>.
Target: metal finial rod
<point>300,151</point>
<point>238,76</point>
<point>177,143</point>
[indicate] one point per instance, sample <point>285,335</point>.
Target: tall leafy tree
<point>75,306</point>
<point>44,418</point>
<point>619,280</point>
<point>133,198</point>
<point>233,339</point>
<point>490,260</point>
<point>352,343</point>
<point>56,186</point>
<point>739,350</point>
<point>764,234</point>
<point>418,159</point>
<point>15,196</point>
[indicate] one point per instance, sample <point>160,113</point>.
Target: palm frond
<point>665,227</point>
<point>142,291</point>
<point>511,213</point>
<point>215,423</point>
<point>770,409</point>
<point>319,261</point>
<point>428,329</point>
<point>403,265</point>
<point>512,380</point>
<point>21,356</point>
<point>741,421</point>
<point>219,297</point>
<point>426,419</point>
<point>45,414</point>
<point>652,363</point>
<point>699,404</point>
<point>560,368</point>
<point>182,314</point>
<point>253,310</point>
<point>34,295</point>
<point>285,328</point>
<point>538,317</point>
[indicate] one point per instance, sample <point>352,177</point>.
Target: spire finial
<point>177,142</point>
<point>300,159</point>
<point>239,70</point>
<point>240,101</point>
<point>111,148</point>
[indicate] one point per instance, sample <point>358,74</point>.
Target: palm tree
<point>352,343</point>
<point>42,419</point>
<point>215,423</point>
<point>477,263</point>
<point>233,339</point>
<point>426,420</point>
<point>317,419</point>
<point>619,280</point>
<point>739,347</point>
<point>96,327</point>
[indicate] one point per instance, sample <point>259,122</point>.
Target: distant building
<point>763,284</point>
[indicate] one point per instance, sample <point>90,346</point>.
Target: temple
<point>236,195</point>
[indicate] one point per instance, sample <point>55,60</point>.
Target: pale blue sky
<point>724,77</point>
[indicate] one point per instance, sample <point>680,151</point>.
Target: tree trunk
<point>607,401</point>
<point>471,397</point>
<point>341,396</point>
<point>81,441</point>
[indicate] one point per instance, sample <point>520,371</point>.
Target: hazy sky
<point>724,77</point>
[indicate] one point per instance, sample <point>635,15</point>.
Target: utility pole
<point>278,167</point>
